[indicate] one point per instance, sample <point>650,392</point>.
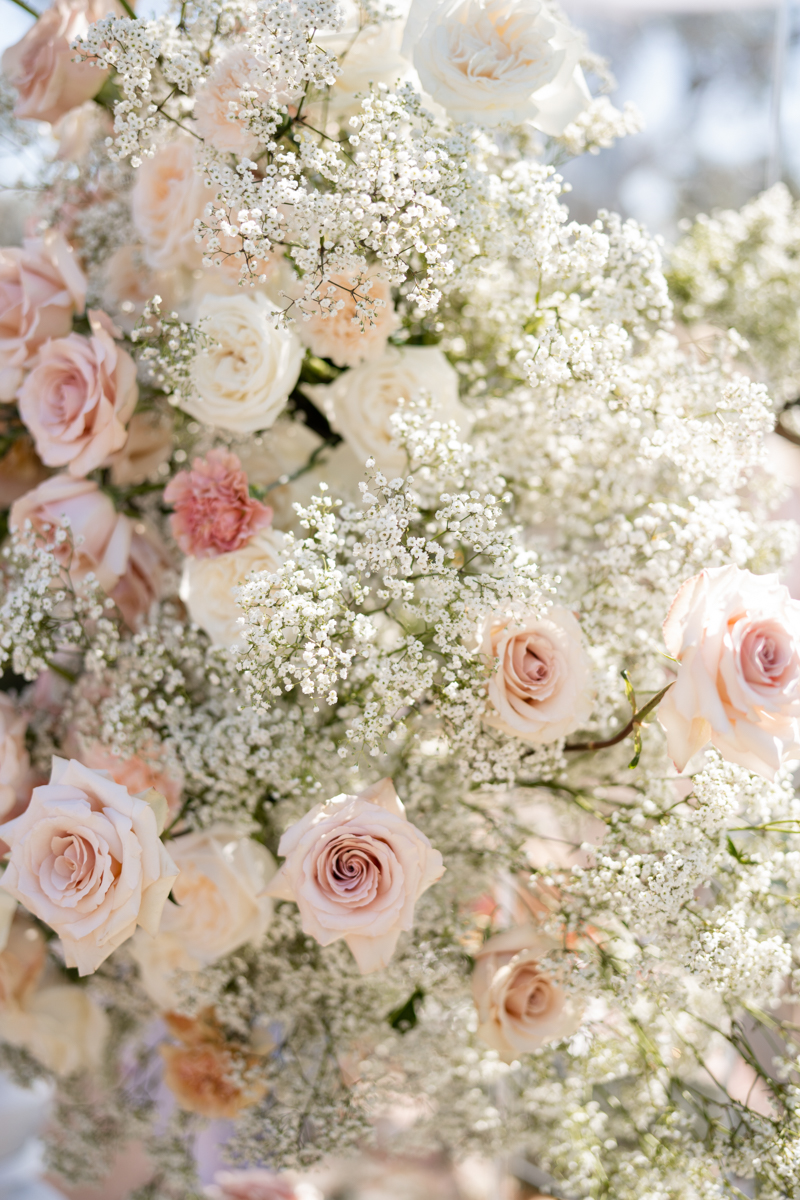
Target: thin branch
<point>637,719</point>
<point>27,8</point>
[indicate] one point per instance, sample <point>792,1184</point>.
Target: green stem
<point>124,5</point>
<point>27,8</point>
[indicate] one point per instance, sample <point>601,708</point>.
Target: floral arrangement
<point>400,701</point>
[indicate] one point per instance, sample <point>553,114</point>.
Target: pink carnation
<point>214,513</point>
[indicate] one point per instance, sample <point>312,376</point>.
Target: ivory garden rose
<point>542,687</point>
<point>737,638</point>
<point>87,859</point>
<point>520,1004</point>
<point>208,585</point>
<point>355,866</point>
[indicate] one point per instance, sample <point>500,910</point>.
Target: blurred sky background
<point>701,73</point>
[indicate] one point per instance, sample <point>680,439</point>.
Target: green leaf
<point>637,748</point>
<point>405,1017</point>
<point>629,692</point>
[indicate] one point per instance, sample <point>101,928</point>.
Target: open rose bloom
<point>520,1004</point>
<point>350,320</point>
<point>86,858</point>
<point>355,867</point>
<point>737,638</point>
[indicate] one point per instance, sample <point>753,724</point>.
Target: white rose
<point>14,761</point>
<point>370,55</point>
<point>220,906</point>
<point>243,378</point>
<point>542,688</point>
<point>207,585</point>
<point>360,403</point>
<point>496,62</point>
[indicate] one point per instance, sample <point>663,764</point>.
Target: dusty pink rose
<point>737,638</point>
<point>542,688</point>
<point>218,108</point>
<point>520,1005</point>
<point>167,197</point>
<point>142,581</point>
<point>250,1185</point>
<point>42,65</point>
<point>14,761</point>
<point>214,513</point>
<point>355,867</point>
<point>346,324</point>
<point>137,774</point>
<point>101,536</point>
<point>86,858</point>
<point>41,286</point>
<point>77,399</point>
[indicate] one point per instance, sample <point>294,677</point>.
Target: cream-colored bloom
<point>243,377</point>
<point>520,1005</point>
<point>350,319</point>
<point>360,403</point>
<point>737,638</point>
<point>167,197</point>
<point>355,866</point>
<point>497,62</point>
<point>369,55</point>
<point>208,585</point>
<point>219,906</point>
<point>542,688</point>
<point>14,761</point>
<point>86,858</point>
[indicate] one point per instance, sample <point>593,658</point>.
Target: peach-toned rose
<point>737,638</point>
<point>520,1005</point>
<point>149,445</point>
<point>128,284</point>
<point>14,760</point>
<point>205,1074</point>
<point>214,512</point>
<point>350,319</point>
<point>167,197</point>
<point>542,688</point>
<point>142,581</point>
<point>41,286</point>
<point>250,1185</point>
<point>42,65</point>
<point>80,129</point>
<point>137,774</point>
<point>101,537</point>
<point>86,858</point>
<point>57,1022</point>
<point>218,110</point>
<point>77,399</point>
<point>208,584</point>
<point>355,867</point>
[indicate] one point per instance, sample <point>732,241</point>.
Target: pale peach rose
<point>20,470</point>
<point>520,1005</point>
<point>142,582</point>
<point>77,400</point>
<point>251,1185</point>
<point>208,585</point>
<point>86,858</point>
<point>80,129</point>
<point>542,687</point>
<point>149,445</point>
<point>41,287</point>
<point>57,1022</point>
<point>218,109</point>
<point>128,284</point>
<point>101,537</point>
<point>355,866</point>
<point>206,1074</point>
<point>737,638</point>
<point>14,760</point>
<point>167,197</point>
<point>138,774</point>
<point>349,319</point>
<point>42,65</point>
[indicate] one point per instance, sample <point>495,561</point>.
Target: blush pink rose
<point>542,688</point>
<point>214,513</point>
<point>355,867</point>
<point>77,400</point>
<point>520,1004</point>
<point>250,1185</point>
<point>41,286</point>
<point>101,537</point>
<point>350,320</point>
<point>167,197</point>
<point>218,108</point>
<point>14,760</point>
<point>737,638</point>
<point>42,65</point>
<point>137,774</point>
<point>86,858</point>
<point>142,582</point>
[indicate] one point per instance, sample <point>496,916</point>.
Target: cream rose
<point>167,197</point>
<point>243,377</point>
<point>542,688</point>
<point>350,319</point>
<point>498,62</point>
<point>369,55</point>
<point>361,402</point>
<point>207,585</point>
<point>520,1005</point>
<point>43,67</point>
<point>355,867</point>
<point>219,906</point>
<point>737,638</point>
<point>77,399</point>
<point>14,761</point>
<point>41,286</point>
<point>86,858</point>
